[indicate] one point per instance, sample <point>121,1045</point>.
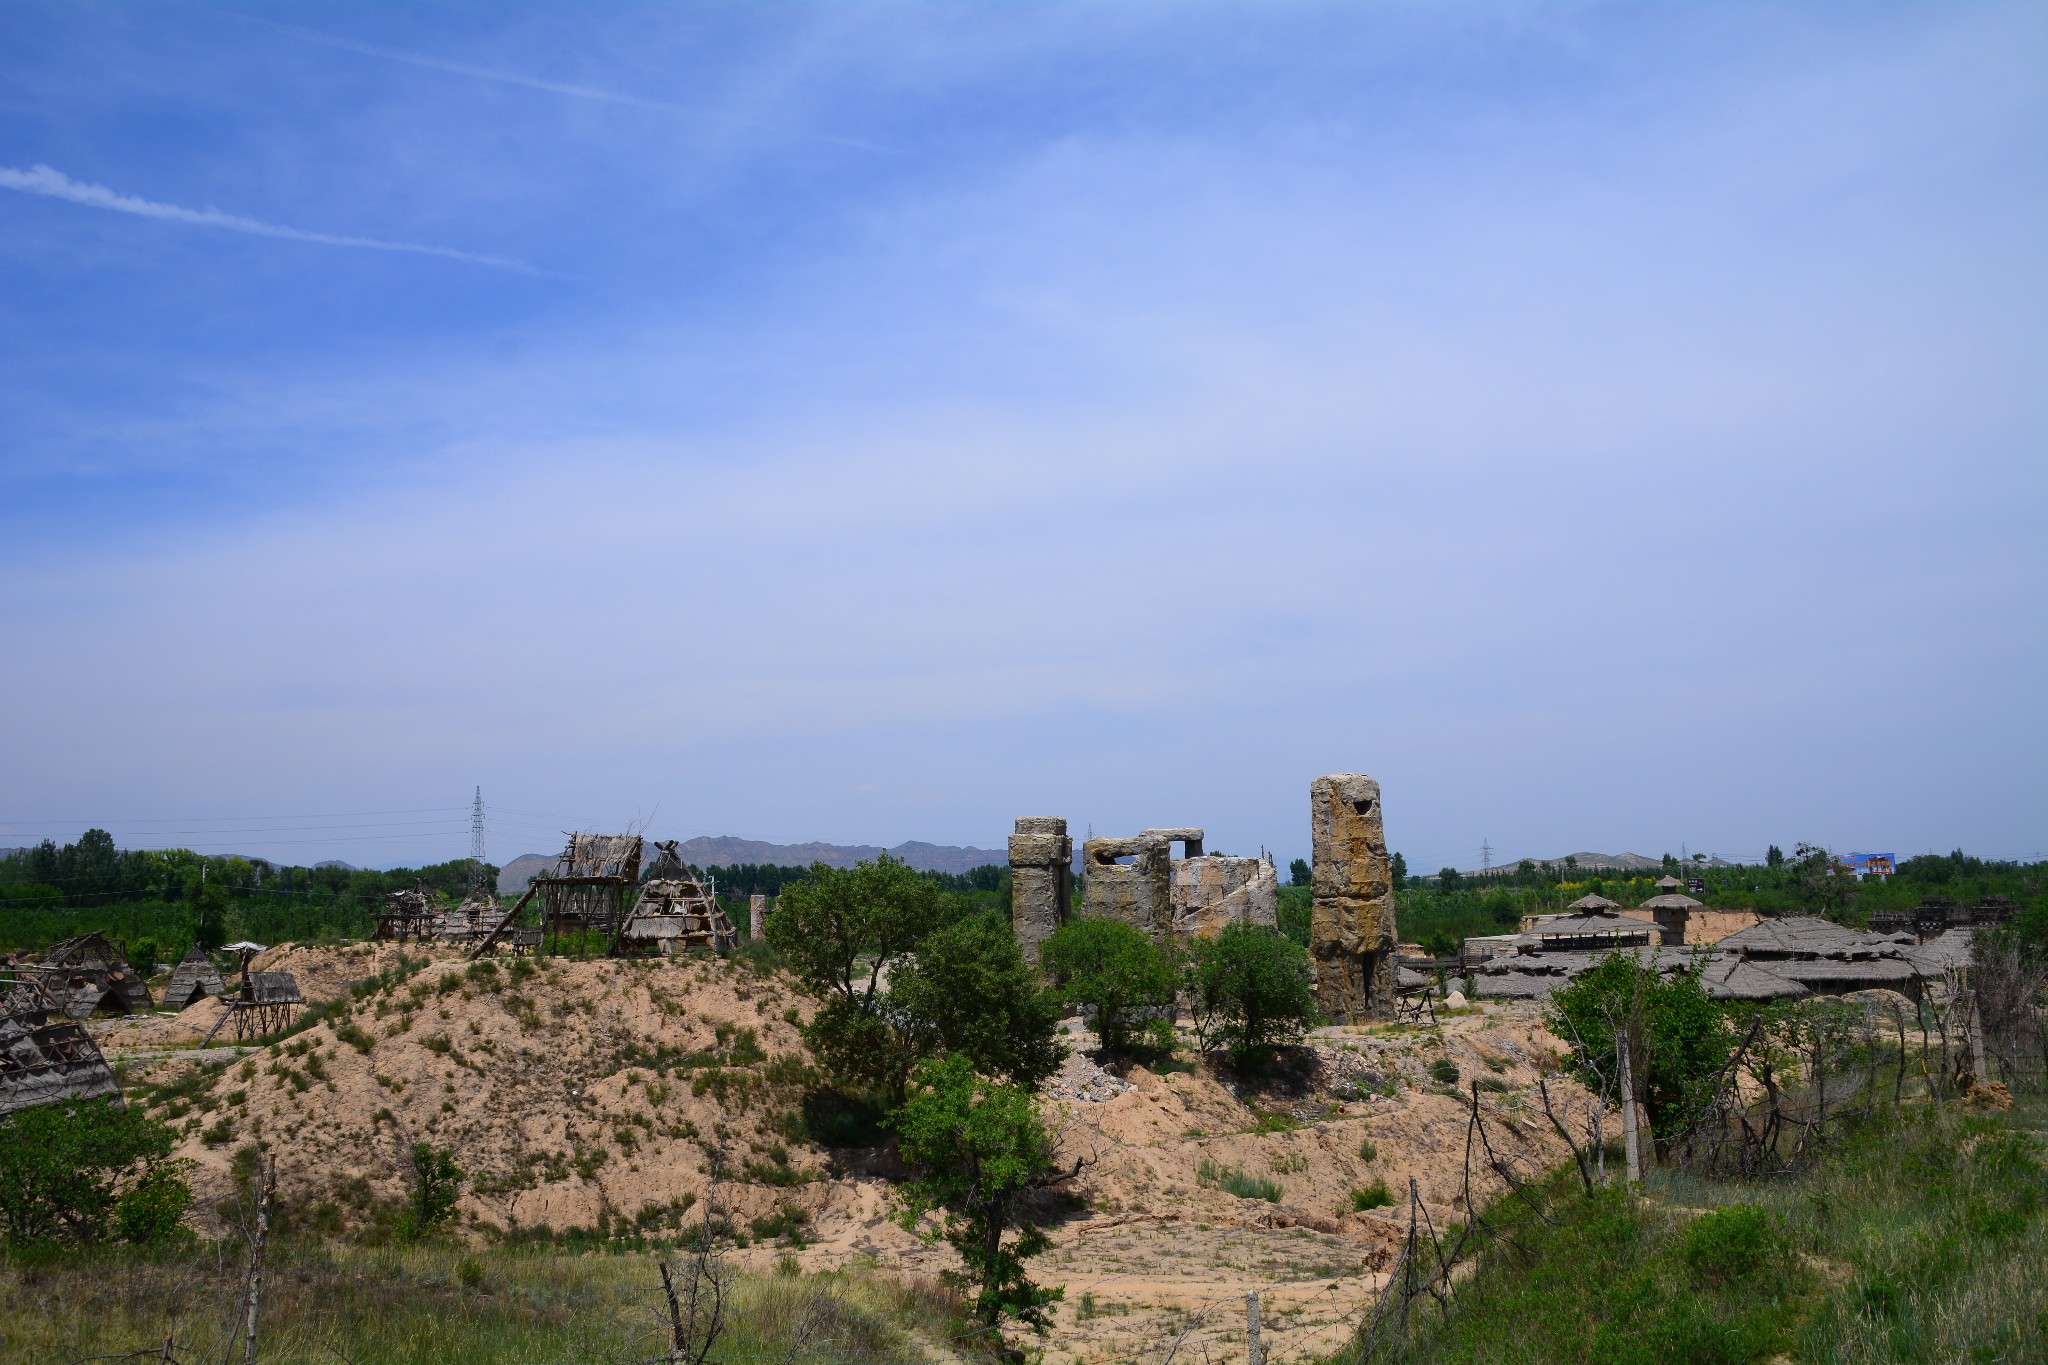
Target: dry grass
<point>445,1306</point>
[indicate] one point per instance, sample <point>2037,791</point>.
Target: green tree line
<point>172,898</point>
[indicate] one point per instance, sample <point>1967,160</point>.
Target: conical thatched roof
<point>194,979</point>
<point>1668,883</point>
<point>1593,902</point>
<point>44,1056</point>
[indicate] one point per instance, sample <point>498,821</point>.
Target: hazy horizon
<point>1611,427</point>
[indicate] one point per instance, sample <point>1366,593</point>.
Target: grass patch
<point>1231,1180</point>
<point>1919,1237</point>
<point>1373,1196</point>
<point>391,1306</point>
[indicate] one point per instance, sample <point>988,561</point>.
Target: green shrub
<point>1233,1181</point>
<point>1253,991</point>
<point>1730,1243</point>
<point>1366,1151</point>
<point>436,1184</point>
<point>1373,1196</point>
<point>1444,1070</point>
<point>1113,969</point>
<point>73,1172</point>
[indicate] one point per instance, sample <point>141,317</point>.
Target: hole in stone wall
<point>1363,807</point>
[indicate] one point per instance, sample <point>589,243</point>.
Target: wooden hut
<point>1592,933</point>
<point>1671,910</point>
<point>675,912</point>
<point>264,1003</point>
<point>45,1057</point>
<point>587,887</point>
<point>88,975</point>
<point>408,913</point>
<point>195,978</point>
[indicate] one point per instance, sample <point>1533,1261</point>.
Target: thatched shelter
<point>89,975</point>
<point>675,912</point>
<point>194,979</point>
<point>587,887</point>
<point>1588,933</point>
<point>1593,903</point>
<point>45,1057</point>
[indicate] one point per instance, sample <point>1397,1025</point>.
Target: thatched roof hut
<point>271,988</point>
<point>1593,903</point>
<point>1581,933</point>
<point>44,1056</point>
<point>194,979</point>
<point>88,974</point>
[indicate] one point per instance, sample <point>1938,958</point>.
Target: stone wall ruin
<point>1351,931</point>
<point>1211,890</point>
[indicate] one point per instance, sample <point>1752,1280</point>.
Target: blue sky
<point>1609,426</point>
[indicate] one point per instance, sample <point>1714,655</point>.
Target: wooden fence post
<point>1256,1353</point>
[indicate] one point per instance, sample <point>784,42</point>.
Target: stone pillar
<point>1140,892</point>
<point>1041,880</point>
<point>757,916</point>
<point>1351,933</point>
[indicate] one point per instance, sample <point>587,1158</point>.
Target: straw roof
<point>1672,901</point>
<point>44,1056</point>
<point>194,979</point>
<point>1667,882</point>
<point>1594,901</point>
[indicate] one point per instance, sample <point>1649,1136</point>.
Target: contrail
<point>581,92</point>
<point>54,184</point>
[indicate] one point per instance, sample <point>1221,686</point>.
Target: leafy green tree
<point>968,989</point>
<point>73,1171</point>
<point>1299,873</point>
<point>1680,1037</point>
<point>1774,857</point>
<point>1449,879</point>
<point>1399,868</point>
<point>901,974</point>
<point>976,1148</point>
<point>436,1185</point>
<point>1253,991</point>
<point>1113,969</point>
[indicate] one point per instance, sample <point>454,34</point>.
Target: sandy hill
<point>579,1091</point>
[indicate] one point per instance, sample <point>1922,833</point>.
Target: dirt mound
<point>572,1093</point>
<point>580,1095</point>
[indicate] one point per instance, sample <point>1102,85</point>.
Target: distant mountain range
<point>1595,862</point>
<point>720,850</point>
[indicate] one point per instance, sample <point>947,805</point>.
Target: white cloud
<point>54,184</point>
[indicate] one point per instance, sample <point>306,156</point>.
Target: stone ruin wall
<point>1138,892</point>
<point>1351,931</point>
<point>1041,880</point>
<point>1213,890</point>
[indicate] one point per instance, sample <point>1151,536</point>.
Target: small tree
<point>968,989</point>
<point>76,1170</point>
<point>436,1185</point>
<point>1253,991</point>
<point>1299,873</point>
<point>903,973</point>
<point>975,1148</point>
<point>1113,969</point>
<point>1684,1042</point>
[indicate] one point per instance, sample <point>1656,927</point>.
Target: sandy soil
<point>548,1092</point>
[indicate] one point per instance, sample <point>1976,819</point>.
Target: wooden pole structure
<point>1628,1107</point>
<point>1255,1352</point>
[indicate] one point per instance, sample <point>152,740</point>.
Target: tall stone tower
<point>1041,880</point>
<point>1351,934</point>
